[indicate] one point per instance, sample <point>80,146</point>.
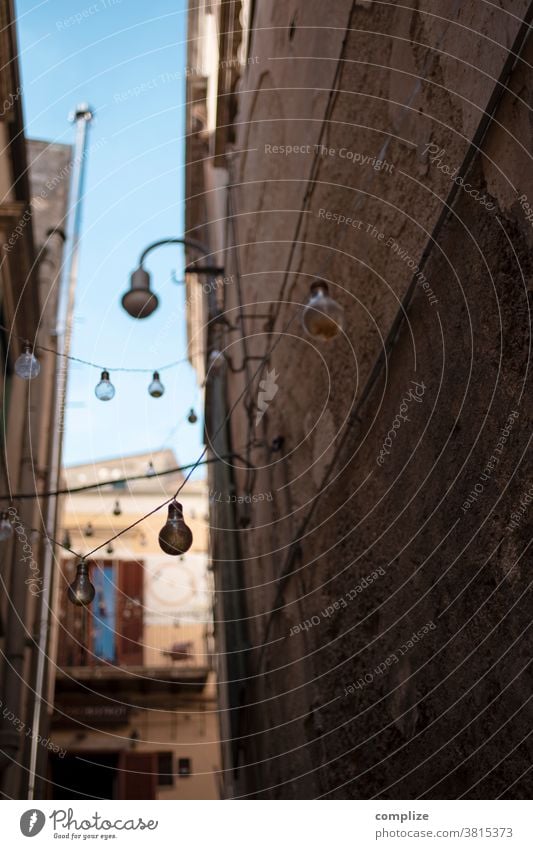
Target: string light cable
<point>200,459</point>
<point>98,366</point>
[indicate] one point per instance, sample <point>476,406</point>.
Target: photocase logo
<point>268,389</point>
<point>32,822</point>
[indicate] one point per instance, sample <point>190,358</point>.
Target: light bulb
<point>322,317</point>
<point>117,510</point>
<point>175,537</point>
<point>81,592</point>
<point>156,388</point>
<point>89,530</point>
<point>27,366</point>
<point>150,471</point>
<point>6,528</point>
<point>192,418</point>
<point>216,361</point>
<point>104,390</point>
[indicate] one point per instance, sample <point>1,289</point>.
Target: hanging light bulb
<point>192,418</point>
<point>104,390</point>
<point>27,366</point>
<point>150,471</point>
<point>81,592</point>
<point>156,388</point>
<point>110,548</point>
<point>139,301</point>
<point>6,528</point>
<point>322,317</point>
<point>117,510</point>
<point>175,537</point>
<point>89,530</point>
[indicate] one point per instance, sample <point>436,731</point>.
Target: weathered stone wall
<point>345,705</point>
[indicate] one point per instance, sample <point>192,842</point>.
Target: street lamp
<point>139,301</point>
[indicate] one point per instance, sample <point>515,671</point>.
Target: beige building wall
<point>177,618</point>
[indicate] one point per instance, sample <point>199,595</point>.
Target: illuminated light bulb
<point>156,388</point>
<point>27,366</point>
<point>81,592</point>
<point>117,510</point>
<point>89,530</point>
<point>322,317</point>
<point>192,418</point>
<point>175,537</point>
<point>104,390</point>
<point>6,528</point>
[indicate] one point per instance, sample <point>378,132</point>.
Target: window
<point>184,767</point>
<point>165,768</point>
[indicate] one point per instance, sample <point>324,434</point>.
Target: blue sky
<point>74,51</point>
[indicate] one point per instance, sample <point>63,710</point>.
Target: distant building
<point>135,695</point>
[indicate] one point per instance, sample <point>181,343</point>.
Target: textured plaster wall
<point>449,716</point>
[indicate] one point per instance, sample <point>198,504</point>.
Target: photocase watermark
<point>9,102</point>
<point>268,389</point>
<point>525,206</point>
<point>167,77</point>
<point>519,512</point>
<point>250,498</point>
<point>354,156</point>
<point>206,287</point>
<point>401,416</point>
<point>339,218</point>
<point>491,463</point>
<point>339,604</point>
<point>405,257</point>
<point>388,241</point>
<point>34,581</point>
<point>151,84</point>
<point>436,155</point>
<point>32,822</point>
<point>86,13</point>
<point>21,726</point>
<point>391,660</point>
<point>39,199</point>
<point>65,819</point>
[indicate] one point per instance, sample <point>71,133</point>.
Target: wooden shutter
<point>130,606</point>
<point>137,776</point>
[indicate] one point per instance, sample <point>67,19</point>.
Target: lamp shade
<point>140,301</point>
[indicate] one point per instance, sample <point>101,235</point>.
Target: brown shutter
<point>137,776</point>
<point>130,606</point>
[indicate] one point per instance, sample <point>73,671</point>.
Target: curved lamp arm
<point>188,243</point>
<point>139,301</point>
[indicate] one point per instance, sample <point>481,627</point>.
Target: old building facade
<point>370,540</point>
<point>135,713</point>
<point>32,225</point>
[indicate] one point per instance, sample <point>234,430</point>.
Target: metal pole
<point>82,117</point>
